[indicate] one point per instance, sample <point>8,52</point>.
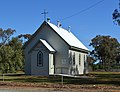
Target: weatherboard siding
<point>58,44</point>
<point>40,70</point>
<point>77,68</point>
<point>27,63</point>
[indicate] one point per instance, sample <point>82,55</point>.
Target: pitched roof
<point>68,37</point>
<point>47,45</point>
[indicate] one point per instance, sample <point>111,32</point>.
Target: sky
<point>25,17</point>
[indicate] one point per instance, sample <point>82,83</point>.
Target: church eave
<point>79,49</point>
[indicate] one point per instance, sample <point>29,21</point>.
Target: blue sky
<point>25,16</point>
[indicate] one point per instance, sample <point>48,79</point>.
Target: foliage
<point>6,54</point>
<point>25,36</point>
<point>90,60</point>
<point>105,49</point>
<point>11,53</point>
<point>5,35</point>
<point>18,57</point>
<point>116,16</point>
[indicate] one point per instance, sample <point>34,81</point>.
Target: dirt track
<point>64,87</point>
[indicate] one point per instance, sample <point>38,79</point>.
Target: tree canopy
<point>116,17</point>
<point>11,52</point>
<point>5,35</point>
<point>106,50</point>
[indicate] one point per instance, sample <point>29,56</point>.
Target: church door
<point>51,64</point>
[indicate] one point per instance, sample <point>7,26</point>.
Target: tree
<point>24,37</point>
<point>6,54</point>
<point>91,61</point>
<point>18,57</point>
<point>11,56</point>
<point>116,17</point>
<point>11,52</point>
<point>105,49</point>
<point>5,35</point>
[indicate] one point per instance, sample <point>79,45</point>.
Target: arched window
<point>40,59</point>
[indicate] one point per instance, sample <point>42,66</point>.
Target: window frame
<point>40,59</point>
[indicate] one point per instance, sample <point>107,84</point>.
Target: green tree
<point>18,57</point>
<point>91,62</point>
<point>106,50</point>
<point>11,56</point>
<point>6,54</point>
<point>11,52</point>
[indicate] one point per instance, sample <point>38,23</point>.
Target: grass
<point>96,78</point>
<point>94,82</point>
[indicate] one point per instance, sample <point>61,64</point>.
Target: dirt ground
<point>59,87</point>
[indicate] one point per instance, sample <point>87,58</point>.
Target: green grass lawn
<point>95,78</point>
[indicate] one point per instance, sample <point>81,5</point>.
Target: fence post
<point>62,79</point>
<point>3,77</point>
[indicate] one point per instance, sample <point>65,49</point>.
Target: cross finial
<point>44,13</point>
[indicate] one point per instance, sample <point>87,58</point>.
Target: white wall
<point>58,44</point>
<point>55,41</point>
<point>51,64</point>
<point>77,68</point>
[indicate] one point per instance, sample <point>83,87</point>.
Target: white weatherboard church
<point>54,50</point>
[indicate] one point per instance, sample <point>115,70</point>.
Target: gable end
<point>58,34</point>
<point>34,34</point>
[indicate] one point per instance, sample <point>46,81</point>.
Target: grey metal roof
<point>68,37</point>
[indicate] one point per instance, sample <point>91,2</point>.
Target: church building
<point>54,50</point>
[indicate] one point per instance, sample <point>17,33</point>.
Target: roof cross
<point>44,13</point>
